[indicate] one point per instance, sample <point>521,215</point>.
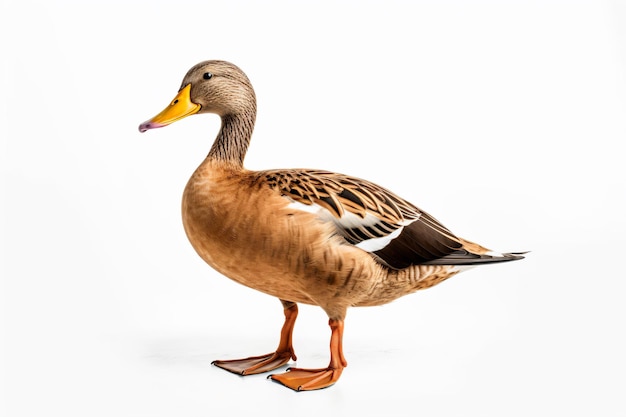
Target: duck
<point>304,236</point>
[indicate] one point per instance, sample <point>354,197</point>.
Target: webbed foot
<point>255,364</point>
<point>265,363</point>
<point>299,379</point>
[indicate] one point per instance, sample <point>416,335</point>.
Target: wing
<point>368,216</point>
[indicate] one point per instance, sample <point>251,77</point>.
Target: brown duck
<point>302,235</point>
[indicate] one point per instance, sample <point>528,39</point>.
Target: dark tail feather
<point>464,257</point>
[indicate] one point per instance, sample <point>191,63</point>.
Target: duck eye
<point>207,76</point>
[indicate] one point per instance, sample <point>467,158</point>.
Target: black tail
<point>464,257</point>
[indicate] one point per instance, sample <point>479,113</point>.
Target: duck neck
<point>233,140</point>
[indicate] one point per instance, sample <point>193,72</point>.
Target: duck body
<point>244,245</point>
<point>301,235</point>
<point>250,233</point>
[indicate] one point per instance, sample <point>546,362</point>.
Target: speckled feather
<point>415,237</point>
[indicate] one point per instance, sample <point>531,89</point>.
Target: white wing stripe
<point>350,221</point>
<point>378,243</point>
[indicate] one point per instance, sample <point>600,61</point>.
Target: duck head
<point>217,87</point>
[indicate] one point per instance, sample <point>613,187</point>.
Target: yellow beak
<point>179,108</point>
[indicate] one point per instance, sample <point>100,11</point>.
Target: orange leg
<point>264,363</point>
<point>311,379</point>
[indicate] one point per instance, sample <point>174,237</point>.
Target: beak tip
<point>145,126</point>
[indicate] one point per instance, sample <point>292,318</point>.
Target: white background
<point>505,120</point>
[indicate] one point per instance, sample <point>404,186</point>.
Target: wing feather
<point>394,231</point>
<point>371,217</point>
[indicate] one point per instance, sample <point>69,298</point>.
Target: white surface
<point>505,120</point>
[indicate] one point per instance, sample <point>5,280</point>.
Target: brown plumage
<point>304,236</point>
